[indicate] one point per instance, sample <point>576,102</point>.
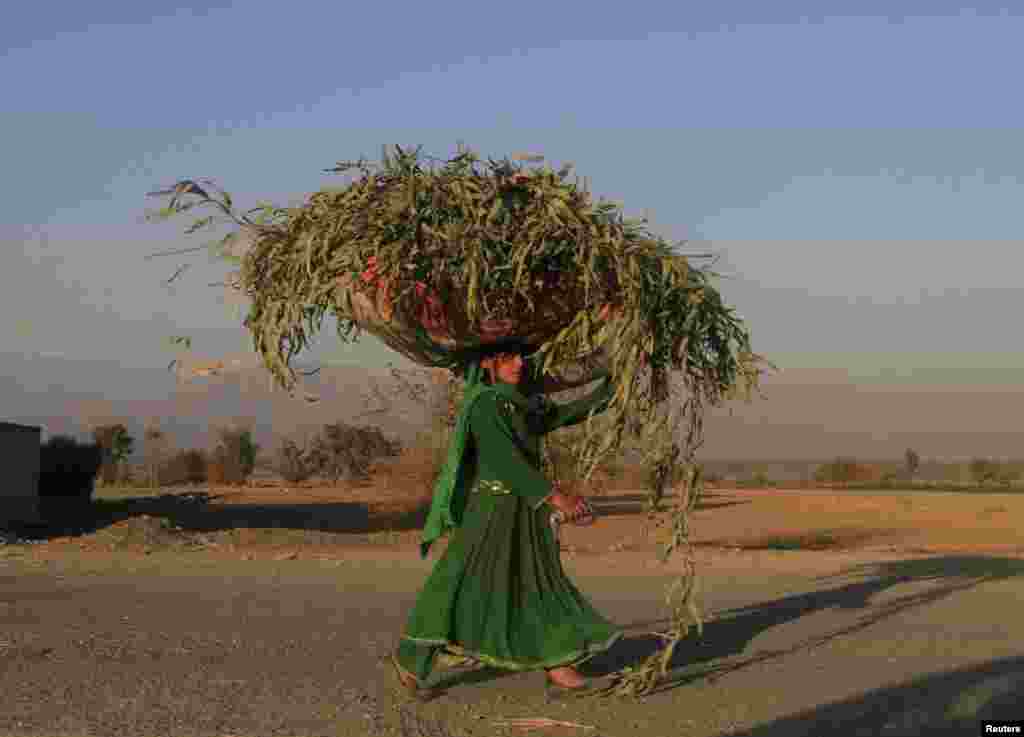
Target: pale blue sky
<point>859,170</point>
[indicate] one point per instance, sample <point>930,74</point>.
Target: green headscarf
<point>450,492</point>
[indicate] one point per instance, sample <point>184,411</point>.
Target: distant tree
<point>332,453</point>
<point>187,467</point>
<point>912,461</point>
<point>983,470</point>
<point>840,470</point>
<point>248,451</point>
<point>293,462</point>
<point>347,451</point>
<point>116,445</point>
<point>157,452</point>
<point>234,458</point>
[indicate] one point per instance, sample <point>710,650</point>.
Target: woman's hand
<point>571,506</point>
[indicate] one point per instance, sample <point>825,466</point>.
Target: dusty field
<point>266,611</point>
<point>893,521</point>
<point>321,521</point>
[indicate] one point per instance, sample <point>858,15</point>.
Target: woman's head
<point>505,367</point>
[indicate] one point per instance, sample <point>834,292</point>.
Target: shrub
<point>185,467</point>
<point>224,469</point>
<point>911,462</point>
<point>983,470</point>
<point>414,470</point>
<point>116,445</point>
<point>348,451</point>
<point>845,470</point>
<point>1008,476</point>
<point>134,476</point>
<point>158,449</point>
<point>234,458</point>
<point>293,463</point>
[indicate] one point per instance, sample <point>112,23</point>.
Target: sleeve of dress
<point>573,413</point>
<point>499,455</point>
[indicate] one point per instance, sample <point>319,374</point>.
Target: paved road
<point>159,645</point>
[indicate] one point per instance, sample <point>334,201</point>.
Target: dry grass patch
<point>389,510</point>
<point>960,521</point>
<point>837,539</point>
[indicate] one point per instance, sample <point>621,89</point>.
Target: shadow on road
<point>945,705</point>
<point>203,512</point>
<point>635,504</point>
<point>722,649</point>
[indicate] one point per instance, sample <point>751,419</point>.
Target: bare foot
<point>567,677</point>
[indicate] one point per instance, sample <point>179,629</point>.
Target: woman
<point>499,594</point>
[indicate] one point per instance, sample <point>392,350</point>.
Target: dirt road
<point>797,643</point>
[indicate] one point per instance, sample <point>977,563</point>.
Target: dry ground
<point>265,611</point>
<point>318,521</point>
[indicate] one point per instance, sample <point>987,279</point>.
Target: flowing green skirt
<point>499,595</point>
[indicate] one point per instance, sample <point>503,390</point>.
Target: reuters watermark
<point>1001,727</point>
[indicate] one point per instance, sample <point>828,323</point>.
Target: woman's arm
<point>564,382</point>
<point>573,413</point>
<point>579,373</point>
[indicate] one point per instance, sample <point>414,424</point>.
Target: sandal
<point>411,684</point>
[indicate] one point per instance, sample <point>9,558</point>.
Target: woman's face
<point>508,368</point>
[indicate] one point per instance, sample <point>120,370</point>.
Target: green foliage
<point>495,242</point>
<point>248,450</point>
<point>117,445</point>
<point>234,457</point>
<point>499,244</point>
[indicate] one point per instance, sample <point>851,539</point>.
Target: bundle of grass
<point>436,258</point>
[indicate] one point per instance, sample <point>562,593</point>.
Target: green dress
<point>499,594</point>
